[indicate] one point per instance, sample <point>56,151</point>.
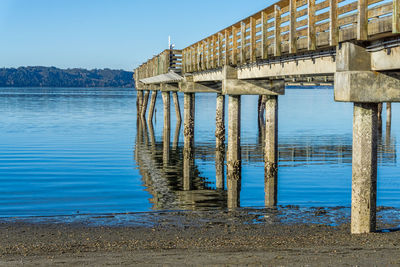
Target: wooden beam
<point>264,31</point>
<point>209,66</point>
<point>396,16</point>
<point>252,39</point>
<point>219,49</point>
<point>312,38</point>
<point>292,27</point>
<point>242,43</point>
<point>277,25</point>
<point>214,61</point>
<point>226,61</point>
<point>362,20</point>
<point>333,27</point>
<point>234,45</point>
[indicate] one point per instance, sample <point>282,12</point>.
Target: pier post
<point>177,107</point>
<point>167,126</point>
<point>234,164</point>
<point>139,102</point>
<point>220,142</point>
<point>152,106</point>
<point>188,150</point>
<point>271,151</point>
<point>144,104</point>
<point>363,208</point>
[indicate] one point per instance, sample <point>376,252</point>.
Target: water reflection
<point>164,181</point>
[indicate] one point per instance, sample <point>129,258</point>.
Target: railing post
<point>264,31</point>
<point>277,25</point>
<point>396,16</point>
<point>226,62</point>
<point>312,38</point>
<point>362,20</point>
<point>234,45</point>
<point>242,43</point>
<point>333,27</point>
<point>292,27</point>
<point>252,39</point>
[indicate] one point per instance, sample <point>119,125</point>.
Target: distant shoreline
<point>51,77</point>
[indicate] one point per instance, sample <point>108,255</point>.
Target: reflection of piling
<point>220,141</point>
<point>167,126</point>
<point>176,135</point>
<point>152,106</point>
<point>144,104</point>
<point>365,136</point>
<point>388,117</point>
<point>151,134</point>
<point>379,124</point>
<point>188,152</point>
<point>233,156</point>
<point>271,151</point>
<point>177,107</point>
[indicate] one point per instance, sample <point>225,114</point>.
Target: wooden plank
<point>278,47</point>
<point>242,43</point>
<point>292,27</point>
<point>252,39</point>
<point>214,53</point>
<point>208,53</point>
<point>219,49</point>
<point>333,27</point>
<point>203,58</point>
<point>226,60</point>
<point>234,45</point>
<point>311,26</point>
<point>362,20</point>
<point>396,16</point>
<point>264,31</point>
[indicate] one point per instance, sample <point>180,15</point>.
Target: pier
<point>354,45</point>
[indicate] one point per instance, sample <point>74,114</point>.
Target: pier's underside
<point>354,46</point>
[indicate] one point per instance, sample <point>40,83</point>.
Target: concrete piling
<point>144,104</point>
<point>188,150</point>
<point>152,106</point>
<point>220,142</point>
<point>177,107</point>
<point>167,126</point>
<point>139,102</point>
<point>363,208</point>
<point>271,151</point>
<point>234,164</point>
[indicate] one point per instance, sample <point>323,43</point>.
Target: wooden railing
<point>289,27</point>
<point>168,60</point>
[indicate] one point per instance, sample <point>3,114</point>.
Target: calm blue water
<point>64,151</point>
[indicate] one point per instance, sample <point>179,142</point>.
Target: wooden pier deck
<point>353,44</point>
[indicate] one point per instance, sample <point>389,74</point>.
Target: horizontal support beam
<point>386,59</point>
<point>169,87</point>
<point>208,76</point>
<point>367,87</point>
<point>194,87</point>
<point>253,87</point>
<point>315,66</point>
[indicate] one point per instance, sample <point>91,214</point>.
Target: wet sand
<point>196,238</point>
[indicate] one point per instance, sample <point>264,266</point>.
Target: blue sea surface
<point>65,151</point>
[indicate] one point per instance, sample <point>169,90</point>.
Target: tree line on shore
<point>54,77</point>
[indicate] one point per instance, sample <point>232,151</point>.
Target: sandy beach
<point>195,238</point>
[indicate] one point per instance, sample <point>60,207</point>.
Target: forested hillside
<point>54,77</point>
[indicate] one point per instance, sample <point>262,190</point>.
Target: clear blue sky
<point>118,34</point>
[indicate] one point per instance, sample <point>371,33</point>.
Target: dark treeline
<point>54,77</point>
